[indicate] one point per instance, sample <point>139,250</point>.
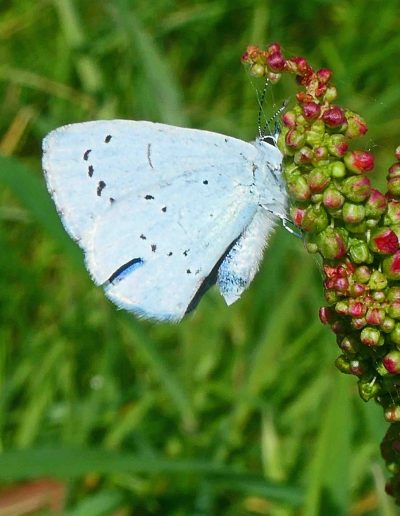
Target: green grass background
<point>236,411</point>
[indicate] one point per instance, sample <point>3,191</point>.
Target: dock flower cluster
<point>352,226</point>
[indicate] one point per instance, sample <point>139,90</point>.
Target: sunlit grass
<point>236,410</point>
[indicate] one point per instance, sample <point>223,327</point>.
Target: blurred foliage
<point>236,410</point>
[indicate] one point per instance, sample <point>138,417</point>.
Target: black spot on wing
<point>124,270</point>
<point>148,197</point>
<point>86,154</point>
<point>112,200</point>
<point>153,248</point>
<point>100,187</point>
<point>107,139</point>
<point>90,170</point>
<point>205,182</point>
<point>164,209</point>
<point>142,237</point>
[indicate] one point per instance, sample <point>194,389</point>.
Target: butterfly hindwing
<point>153,206</point>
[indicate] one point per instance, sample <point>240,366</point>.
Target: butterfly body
<point>163,211</point>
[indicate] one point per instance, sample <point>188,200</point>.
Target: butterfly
<point>163,212</point>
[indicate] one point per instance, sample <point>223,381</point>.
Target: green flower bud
<point>338,170</point>
<point>368,390</point>
<point>393,294</point>
<point>377,281</point>
<point>362,274</point>
<point>356,125</point>
<point>343,364</point>
<point>395,335</point>
<point>394,309</point>
<point>258,70</point>
<point>332,243</point>
<point>331,296</point>
<point>298,187</point>
<point>315,219</point>
<point>356,188</point>
<point>311,247</point>
<point>387,325</point>
<point>330,94</point>
<point>353,213</point>
<point>376,204</point>
<point>393,213</point>
<point>359,252</point>
<point>318,179</point>
<point>393,185</point>
<point>337,145</point>
<point>295,138</point>
<point>359,227</point>
<point>315,134</point>
<point>349,344</point>
<point>371,337</point>
<point>332,198</point>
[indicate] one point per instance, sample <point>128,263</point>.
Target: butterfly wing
<point>154,207</point>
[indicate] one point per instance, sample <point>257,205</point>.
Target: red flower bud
<point>324,74</point>
<point>326,315</point>
<point>276,61</point>
<point>289,119</point>
<point>274,47</point>
<point>391,361</point>
<point>297,215</point>
<point>359,161</point>
<point>334,117</point>
<point>384,241</point>
<point>357,309</point>
<point>303,156</point>
<point>375,316</point>
<point>357,289</point>
<point>391,266</point>
<point>311,110</point>
<point>299,66</point>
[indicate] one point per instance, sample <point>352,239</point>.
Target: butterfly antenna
<point>274,119</point>
<point>261,113</point>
